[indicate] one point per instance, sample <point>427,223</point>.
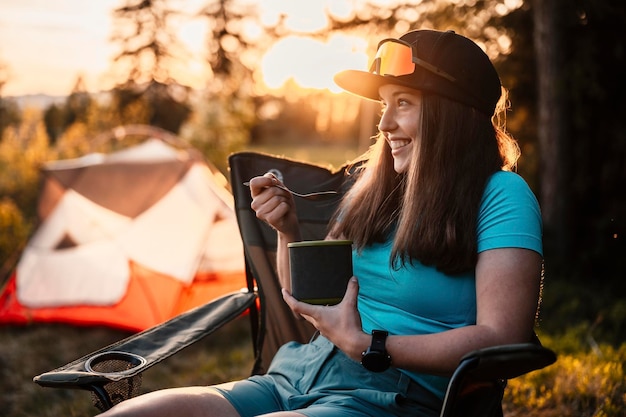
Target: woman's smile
<point>398,145</point>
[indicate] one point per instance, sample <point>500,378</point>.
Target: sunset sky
<point>46,44</point>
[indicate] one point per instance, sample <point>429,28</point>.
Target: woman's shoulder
<point>509,215</point>
<point>506,179</point>
<point>506,182</point>
<point>507,185</point>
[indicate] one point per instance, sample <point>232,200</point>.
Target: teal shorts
<point>318,380</point>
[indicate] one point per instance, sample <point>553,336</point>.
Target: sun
<point>312,63</point>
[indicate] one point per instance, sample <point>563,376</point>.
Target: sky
<point>47,44</point>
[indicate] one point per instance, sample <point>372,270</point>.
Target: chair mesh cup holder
<point>123,369</point>
<point>115,364</point>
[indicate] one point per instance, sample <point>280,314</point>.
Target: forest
<point>562,61</point>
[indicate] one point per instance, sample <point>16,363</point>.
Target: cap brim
<point>366,84</point>
<point>361,83</point>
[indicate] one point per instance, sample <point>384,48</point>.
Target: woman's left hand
<point>341,323</point>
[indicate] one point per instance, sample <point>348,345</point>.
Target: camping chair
<point>114,372</point>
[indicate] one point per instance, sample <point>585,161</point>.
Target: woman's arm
<point>507,291</point>
<point>277,208</point>
<point>282,259</point>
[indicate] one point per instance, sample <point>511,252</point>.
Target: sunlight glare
<point>514,4</point>
<point>312,63</point>
<point>301,16</point>
<point>340,9</point>
<point>505,43</point>
<point>193,34</point>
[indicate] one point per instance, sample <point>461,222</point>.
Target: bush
<point>579,384</point>
<point>15,232</point>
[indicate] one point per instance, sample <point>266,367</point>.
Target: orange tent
<point>128,240</point>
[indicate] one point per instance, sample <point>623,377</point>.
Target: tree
<point>226,41</point>
<point>148,49</point>
<point>15,232</point>
<point>148,44</point>
<point>552,127</point>
<point>54,120</point>
<point>77,103</point>
<point>581,61</point>
<point>58,118</point>
<point>226,113</point>
<point>9,111</point>
<point>22,151</point>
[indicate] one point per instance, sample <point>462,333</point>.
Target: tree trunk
<point>551,129</point>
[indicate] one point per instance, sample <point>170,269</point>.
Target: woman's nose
<point>387,122</point>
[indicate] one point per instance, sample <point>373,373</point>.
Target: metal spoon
<point>309,196</point>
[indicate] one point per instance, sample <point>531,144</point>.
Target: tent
<point>127,239</point>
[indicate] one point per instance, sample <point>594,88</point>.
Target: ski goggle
<point>395,57</point>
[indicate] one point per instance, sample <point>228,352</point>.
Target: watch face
<point>376,361</point>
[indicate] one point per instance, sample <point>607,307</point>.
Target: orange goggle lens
<point>393,57</point>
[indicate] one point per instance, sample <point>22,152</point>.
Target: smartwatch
<point>376,358</point>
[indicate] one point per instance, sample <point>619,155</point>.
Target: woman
<point>447,250</point>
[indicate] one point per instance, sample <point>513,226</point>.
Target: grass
<point>584,382</point>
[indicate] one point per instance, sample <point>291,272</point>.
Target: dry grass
<point>582,384</point>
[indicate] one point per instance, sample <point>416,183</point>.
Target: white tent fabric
<point>71,270</point>
<point>178,225</point>
<point>79,219</point>
<point>192,226</point>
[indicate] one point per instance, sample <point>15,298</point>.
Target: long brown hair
<point>432,209</point>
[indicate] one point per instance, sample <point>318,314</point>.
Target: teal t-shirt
<point>418,299</point>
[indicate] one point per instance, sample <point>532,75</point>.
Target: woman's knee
<point>175,402</point>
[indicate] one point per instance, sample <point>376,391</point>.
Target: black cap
<point>475,80</point>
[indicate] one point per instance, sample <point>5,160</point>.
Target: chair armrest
<point>69,379</point>
<point>480,377</point>
<point>128,358</point>
<point>507,361</point>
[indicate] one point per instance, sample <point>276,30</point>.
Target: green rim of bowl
<point>308,243</point>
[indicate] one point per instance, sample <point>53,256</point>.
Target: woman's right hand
<point>274,206</point>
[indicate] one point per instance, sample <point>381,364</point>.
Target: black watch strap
<point>376,358</point>
<point>379,337</point>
